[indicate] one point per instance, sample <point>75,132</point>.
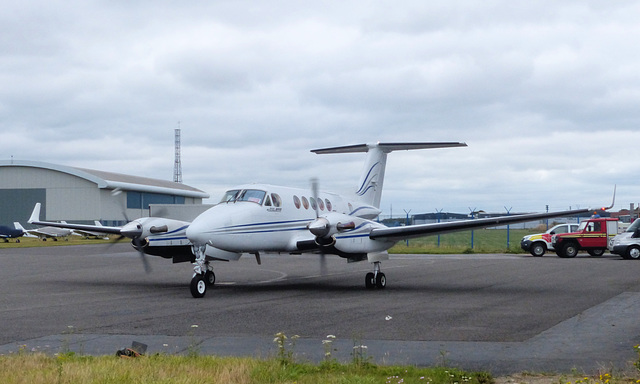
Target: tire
<point>538,249</point>
<point>370,280</point>
<point>198,286</point>
<point>381,280</point>
<point>596,252</point>
<point>210,278</point>
<point>569,250</point>
<point>632,253</point>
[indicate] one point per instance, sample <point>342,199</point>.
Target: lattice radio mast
<point>177,167</point>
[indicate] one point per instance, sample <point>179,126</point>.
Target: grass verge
<point>69,368</point>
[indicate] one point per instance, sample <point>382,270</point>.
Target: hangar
<point>83,195</point>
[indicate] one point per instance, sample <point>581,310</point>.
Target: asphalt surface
<point>500,313</point>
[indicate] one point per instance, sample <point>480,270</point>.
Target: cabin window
<point>277,201</point>
<point>328,203</point>
<point>305,202</point>
<point>313,203</point>
<point>252,195</point>
<point>321,204</point>
<point>230,196</point>
<point>296,201</point>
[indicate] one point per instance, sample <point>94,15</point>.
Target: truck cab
<point>593,236</point>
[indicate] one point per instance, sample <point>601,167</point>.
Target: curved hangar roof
<point>111,180</point>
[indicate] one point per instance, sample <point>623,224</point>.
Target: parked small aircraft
<point>48,232</point>
<point>7,233</point>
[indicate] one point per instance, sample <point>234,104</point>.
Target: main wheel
<point>569,250</point>
<point>538,249</point>
<point>596,252</point>
<point>210,278</point>
<point>198,286</point>
<point>381,280</point>
<point>633,253</point>
<point>370,280</point>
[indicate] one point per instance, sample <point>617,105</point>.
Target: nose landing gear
<point>203,275</point>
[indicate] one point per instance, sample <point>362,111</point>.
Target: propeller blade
<point>138,245</point>
<point>323,264</point>
<point>314,192</point>
<point>320,227</point>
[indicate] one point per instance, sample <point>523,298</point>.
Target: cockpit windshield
<point>252,195</point>
<point>230,196</point>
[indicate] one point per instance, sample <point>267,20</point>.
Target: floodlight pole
<point>508,213</point>
<point>438,212</point>
<point>407,223</point>
<point>473,212</point>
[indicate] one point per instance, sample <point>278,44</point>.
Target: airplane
<point>149,235</point>
<point>260,218</point>
<point>7,233</point>
<point>264,218</point>
<point>45,233</point>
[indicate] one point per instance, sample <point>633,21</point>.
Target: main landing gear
<point>203,276</point>
<point>375,279</point>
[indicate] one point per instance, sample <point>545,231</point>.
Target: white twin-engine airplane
<point>261,218</point>
<point>266,218</point>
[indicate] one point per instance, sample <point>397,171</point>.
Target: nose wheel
<point>375,279</point>
<point>198,286</point>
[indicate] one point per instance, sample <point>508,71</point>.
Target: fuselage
<point>267,218</point>
<point>10,233</point>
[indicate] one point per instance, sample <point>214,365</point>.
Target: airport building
<point>83,195</point>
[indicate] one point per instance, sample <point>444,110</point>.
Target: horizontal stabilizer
<point>387,147</point>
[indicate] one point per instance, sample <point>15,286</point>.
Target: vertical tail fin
<point>369,188</point>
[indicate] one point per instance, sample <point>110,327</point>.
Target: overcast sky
<point>546,94</point>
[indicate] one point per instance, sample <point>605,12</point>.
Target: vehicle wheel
<point>198,286</point>
<point>596,252</point>
<point>538,249</point>
<point>210,278</point>
<point>633,253</point>
<point>569,250</point>
<point>370,280</point>
<point>381,280</point>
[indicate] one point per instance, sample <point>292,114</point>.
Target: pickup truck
<point>627,244</point>
<point>539,243</point>
<point>593,236</point>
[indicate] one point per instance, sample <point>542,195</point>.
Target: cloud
<point>544,93</point>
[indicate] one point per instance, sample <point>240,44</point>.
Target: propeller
<point>133,230</point>
<point>320,227</point>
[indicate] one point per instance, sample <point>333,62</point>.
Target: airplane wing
<point>414,231</point>
<point>35,219</point>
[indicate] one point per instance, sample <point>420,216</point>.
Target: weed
<point>193,349</point>
<point>285,348</point>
